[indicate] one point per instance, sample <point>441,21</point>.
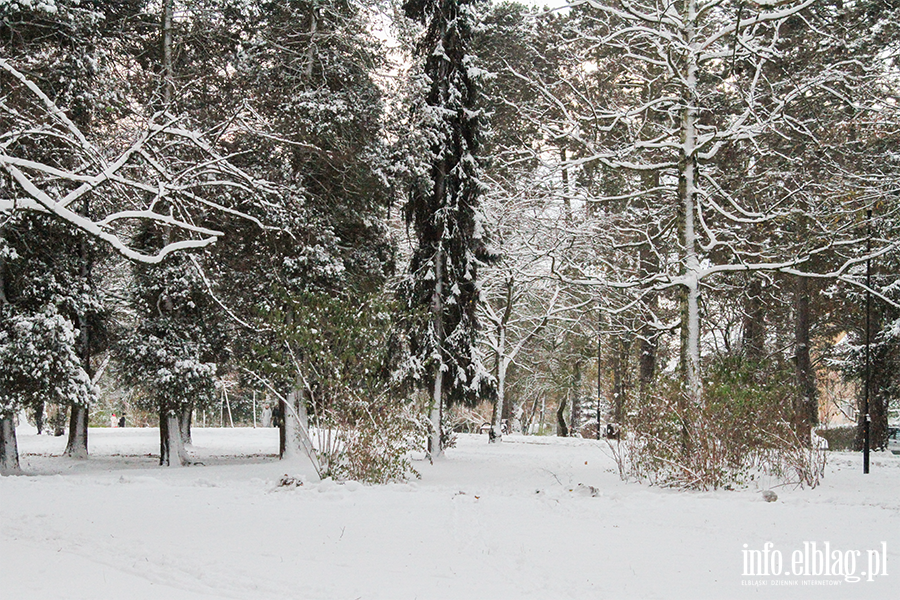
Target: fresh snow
<point>497,521</point>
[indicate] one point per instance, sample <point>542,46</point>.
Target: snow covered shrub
<point>740,431</point>
<point>374,437</point>
<point>842,438</point>
<point>332,352</point>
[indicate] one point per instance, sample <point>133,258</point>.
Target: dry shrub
<point>368,440</point>
<point>739,432</point>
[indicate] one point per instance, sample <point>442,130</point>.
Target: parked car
<point>893,443</point>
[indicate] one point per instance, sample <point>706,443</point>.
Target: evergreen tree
<point>66,47</point>
<point>42,294</point>
<point>172,351</point>
<point>442,291</point>
<point>313,115</point>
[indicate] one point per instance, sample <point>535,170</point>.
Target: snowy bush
<point>740,431</point>
<point>370,440</point>
<point>839,438</point>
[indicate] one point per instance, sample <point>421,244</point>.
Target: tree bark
<point>435,413</point>
<point>496,433</point>
<point>753,333</point>
<point>687,192</point>
<point>185,417</point>
<point>562,430</point>
<point>168,66</point>
<point>59,421</point>
<point>282,431</point>
<point>621,348</point>
<point>805,413</point>
<point>77,445</point>
<point>575,415</point>
<point>9,451</point>
<point>567,202</point>
<point>649,263</point>
<point>295,436</point>
<point>171,446</point>
<point>39,417</point>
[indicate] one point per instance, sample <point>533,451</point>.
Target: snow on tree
<point>54,157</point>
<point>175,342</point>
<point>695,84</point>
<point>314,124</point>
<point>39,296</point>
<point>443,210</point>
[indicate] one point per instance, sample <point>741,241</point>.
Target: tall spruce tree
<point>443,212</point>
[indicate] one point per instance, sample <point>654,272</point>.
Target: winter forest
<point>662,222</point>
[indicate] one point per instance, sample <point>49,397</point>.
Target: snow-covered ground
<point>501,521</point>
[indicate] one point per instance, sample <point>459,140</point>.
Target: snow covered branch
<point>162,172</point>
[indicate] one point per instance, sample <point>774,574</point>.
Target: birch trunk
<point>502,365</point>
<point>168,67</point>
<point>688,191</point>
<point>497,421</point>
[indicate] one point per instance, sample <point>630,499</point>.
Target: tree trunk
<point>687,192</point>
<point>59,421</point>
<point>575,416</point>
<point>567,203</point>
<point>295,440</point>
<point>647,363</point>
<point>562,430</point>
<point>171,446</point>
<point>77,445</point>
<point>39,417</point>
<point>185,416</point>
<point>805,407</point>
<point>168,65</point>
<point>753,333</point>
<point>435,413</point>
<point>282,430</point>
<point>880,381</point>
<point>291,428</point>
<point>621,348</point>
<point>9,451</point>
<point>650,265</point>
<point>496,433</point>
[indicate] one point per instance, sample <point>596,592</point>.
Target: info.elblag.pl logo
<point>813,564</point>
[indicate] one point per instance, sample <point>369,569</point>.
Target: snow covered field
<point>503,521</point>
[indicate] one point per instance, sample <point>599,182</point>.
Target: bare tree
<point>133,170</point>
